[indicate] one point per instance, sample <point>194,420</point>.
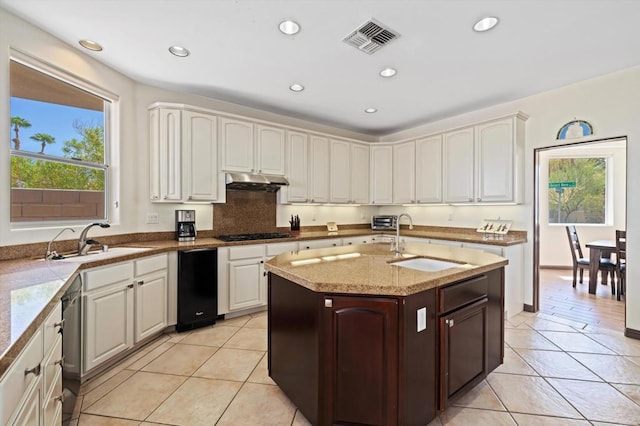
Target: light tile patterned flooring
<point>556,372</point>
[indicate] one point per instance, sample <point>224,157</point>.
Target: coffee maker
<point>185,225</point>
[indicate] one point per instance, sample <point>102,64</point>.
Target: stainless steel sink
<point>99,255</point>
<point>429,265</point>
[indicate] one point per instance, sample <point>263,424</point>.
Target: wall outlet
<point>153,218</point>
<point>422,319</point>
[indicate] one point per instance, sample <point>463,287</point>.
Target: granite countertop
<point>370,269</point>
<point>31,288</point>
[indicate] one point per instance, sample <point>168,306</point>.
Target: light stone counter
<point>369,268</point>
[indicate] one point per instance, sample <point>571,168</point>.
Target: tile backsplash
<point>245,212</point>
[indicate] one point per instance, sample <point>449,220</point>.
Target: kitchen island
<point>354,338</point>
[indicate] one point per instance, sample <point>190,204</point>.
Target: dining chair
<point>621,261</point>
<point>582,263</point>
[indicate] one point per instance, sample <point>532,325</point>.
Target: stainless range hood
<point>254,182</point>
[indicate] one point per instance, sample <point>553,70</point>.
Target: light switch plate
<point>153,218</point>
<point>422,319</point>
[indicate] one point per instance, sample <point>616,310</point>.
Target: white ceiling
<point>444,68</point>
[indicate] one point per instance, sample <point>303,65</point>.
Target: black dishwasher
<point>197,288</point>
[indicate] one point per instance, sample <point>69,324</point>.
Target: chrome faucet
<point>398,248</point>
<point>52,254</point>
<point>83,244</point>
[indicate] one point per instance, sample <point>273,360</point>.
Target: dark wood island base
<point>350,359</point>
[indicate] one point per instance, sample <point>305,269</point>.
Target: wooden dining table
<point>598,249</point>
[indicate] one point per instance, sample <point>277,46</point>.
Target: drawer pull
<point>141,282</point>
<point>130,286</point>
<point>35,370</point>
<point>59,362</point>
<point>450,322</point>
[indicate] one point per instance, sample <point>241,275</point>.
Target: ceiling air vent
<point>371,36</point>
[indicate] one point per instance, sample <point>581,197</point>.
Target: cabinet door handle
<point>165,197</point>
<point>450,322</point>
<point>59,324</point>
<point>130,285</point>
<point>264,274</point>
<point>60,398</point>
<point>141,282</point>
<point>328,303</point>
<point>35,370</point>
<point>478,199</point>
<point>59,362</point>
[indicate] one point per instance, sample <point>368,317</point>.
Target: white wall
<point>554,244</point>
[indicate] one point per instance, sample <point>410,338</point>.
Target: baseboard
<point>634,334</point>
<point>527,308</point>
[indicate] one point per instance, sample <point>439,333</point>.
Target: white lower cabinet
<point>31,390</point>
<point>513,274</point>
<point>108,323</point>
<point>324,243</point>
<point>365,239</point>
<point>123,304</point>
<point>246,283</point>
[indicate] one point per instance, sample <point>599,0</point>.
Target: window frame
<point>608,191</point>
<point>111,142</point>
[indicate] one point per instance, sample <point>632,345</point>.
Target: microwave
<point>384,223</point>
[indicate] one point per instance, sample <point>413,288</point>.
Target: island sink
<point>429,265</point>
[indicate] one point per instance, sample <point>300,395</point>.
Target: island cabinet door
<point>361,344</point>
<point>463,350</point>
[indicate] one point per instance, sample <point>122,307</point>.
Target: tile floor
<point>559,298</point>
<point>556,372</point>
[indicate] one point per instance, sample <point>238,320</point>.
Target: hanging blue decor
<point>575,129</point>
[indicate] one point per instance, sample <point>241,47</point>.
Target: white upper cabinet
<point>165,154</point>
<point>496,146</point>
<point>237,149</point>
<point>360,165</point>
<point>484,163</point>
<point>340,173</point>
<point>381,174</point>
<point>297,169</point>
<point>404,173</point>
<point>429,170</point>
<point>458,166</point>
<point>183,155</point>
<point>270,148</point>
<point>319,169</point>
<point>250,148</point>
<point>201,180</point>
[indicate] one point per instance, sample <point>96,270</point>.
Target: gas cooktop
<point>249,237</point>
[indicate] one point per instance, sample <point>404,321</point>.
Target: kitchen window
<point>578,190</point>
<point>59,143</point>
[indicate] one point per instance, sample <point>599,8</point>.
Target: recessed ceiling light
<point>485,24</point>
<point>91,45</point>
<point>388,72</point>
<point>296,87</point>
<point>179,51</point>
<point>370,110</point>
<point>289,27</point>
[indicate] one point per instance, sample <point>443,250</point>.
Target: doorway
<point>553,292</point>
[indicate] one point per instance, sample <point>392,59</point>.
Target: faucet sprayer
<point>83,243</point>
